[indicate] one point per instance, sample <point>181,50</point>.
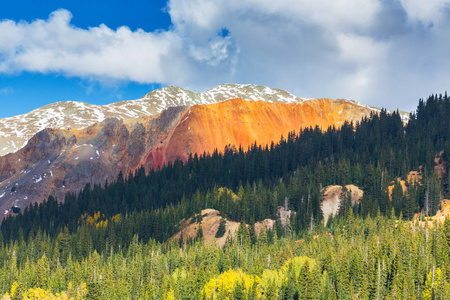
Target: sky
<point>386,53</point>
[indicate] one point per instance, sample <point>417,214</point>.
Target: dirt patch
<point>331,199</point>
<point>415,176</point>
<point>402,183</point>
<point>210,221</point>
<point>439,217</point>
<point>268,223</point>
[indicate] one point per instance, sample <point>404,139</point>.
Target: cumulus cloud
<point>54,45</point>
<point>375,51</point>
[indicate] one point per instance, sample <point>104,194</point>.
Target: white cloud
<point>208,16</point>
<point>360,49</point>
<point>369,50</point>
<point>54,45</point>
<point>427,12</point>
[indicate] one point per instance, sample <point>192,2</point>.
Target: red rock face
<point>58,161</point>
<point>204,128</point>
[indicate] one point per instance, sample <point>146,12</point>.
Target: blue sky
<point>386,53</point>
<point>23,91</point>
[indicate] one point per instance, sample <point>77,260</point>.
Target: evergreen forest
<point>113,241</point>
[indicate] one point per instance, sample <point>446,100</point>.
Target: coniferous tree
<point>345,202</point>
<point>222,228</point>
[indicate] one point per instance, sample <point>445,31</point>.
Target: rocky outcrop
<point>209,220</point>
<point>332,197</point>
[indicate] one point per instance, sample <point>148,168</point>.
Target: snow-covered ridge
<point>16,131</point>
<point>403,115</point>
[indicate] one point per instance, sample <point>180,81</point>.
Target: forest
<point>113,240</point>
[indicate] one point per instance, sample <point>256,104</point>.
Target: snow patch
<point>37,179</point>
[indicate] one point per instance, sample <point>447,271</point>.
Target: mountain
<point>16,131</point>
<point>56,161</point>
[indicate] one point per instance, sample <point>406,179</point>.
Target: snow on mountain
<point>16,131</point>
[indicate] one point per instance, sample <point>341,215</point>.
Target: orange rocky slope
<point>57,161</point>
<point>204,128</point>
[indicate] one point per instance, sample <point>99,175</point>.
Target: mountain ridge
<point>17,130</point>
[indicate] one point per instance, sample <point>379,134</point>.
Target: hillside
<point>238,122</point>
<point>56,161</point>
<point>121,240</point>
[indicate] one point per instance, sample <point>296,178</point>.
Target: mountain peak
<point>16,131</point>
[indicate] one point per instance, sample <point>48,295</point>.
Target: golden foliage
<point>34,294</point>
<point>102,224</point>
<point>99,220</point>
<point>40,294</point>
<point>435,286</point>
<point>170,295</point>
<point>226,191</point>
<point>225,283</point>
<point>116,218</point>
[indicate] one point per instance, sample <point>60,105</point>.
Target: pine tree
<point>262,239</point>
<point>43,272</point>
<point>93,291</point>
<point>221,230</point>
<point>345,203</point>
<point>243,235</point>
